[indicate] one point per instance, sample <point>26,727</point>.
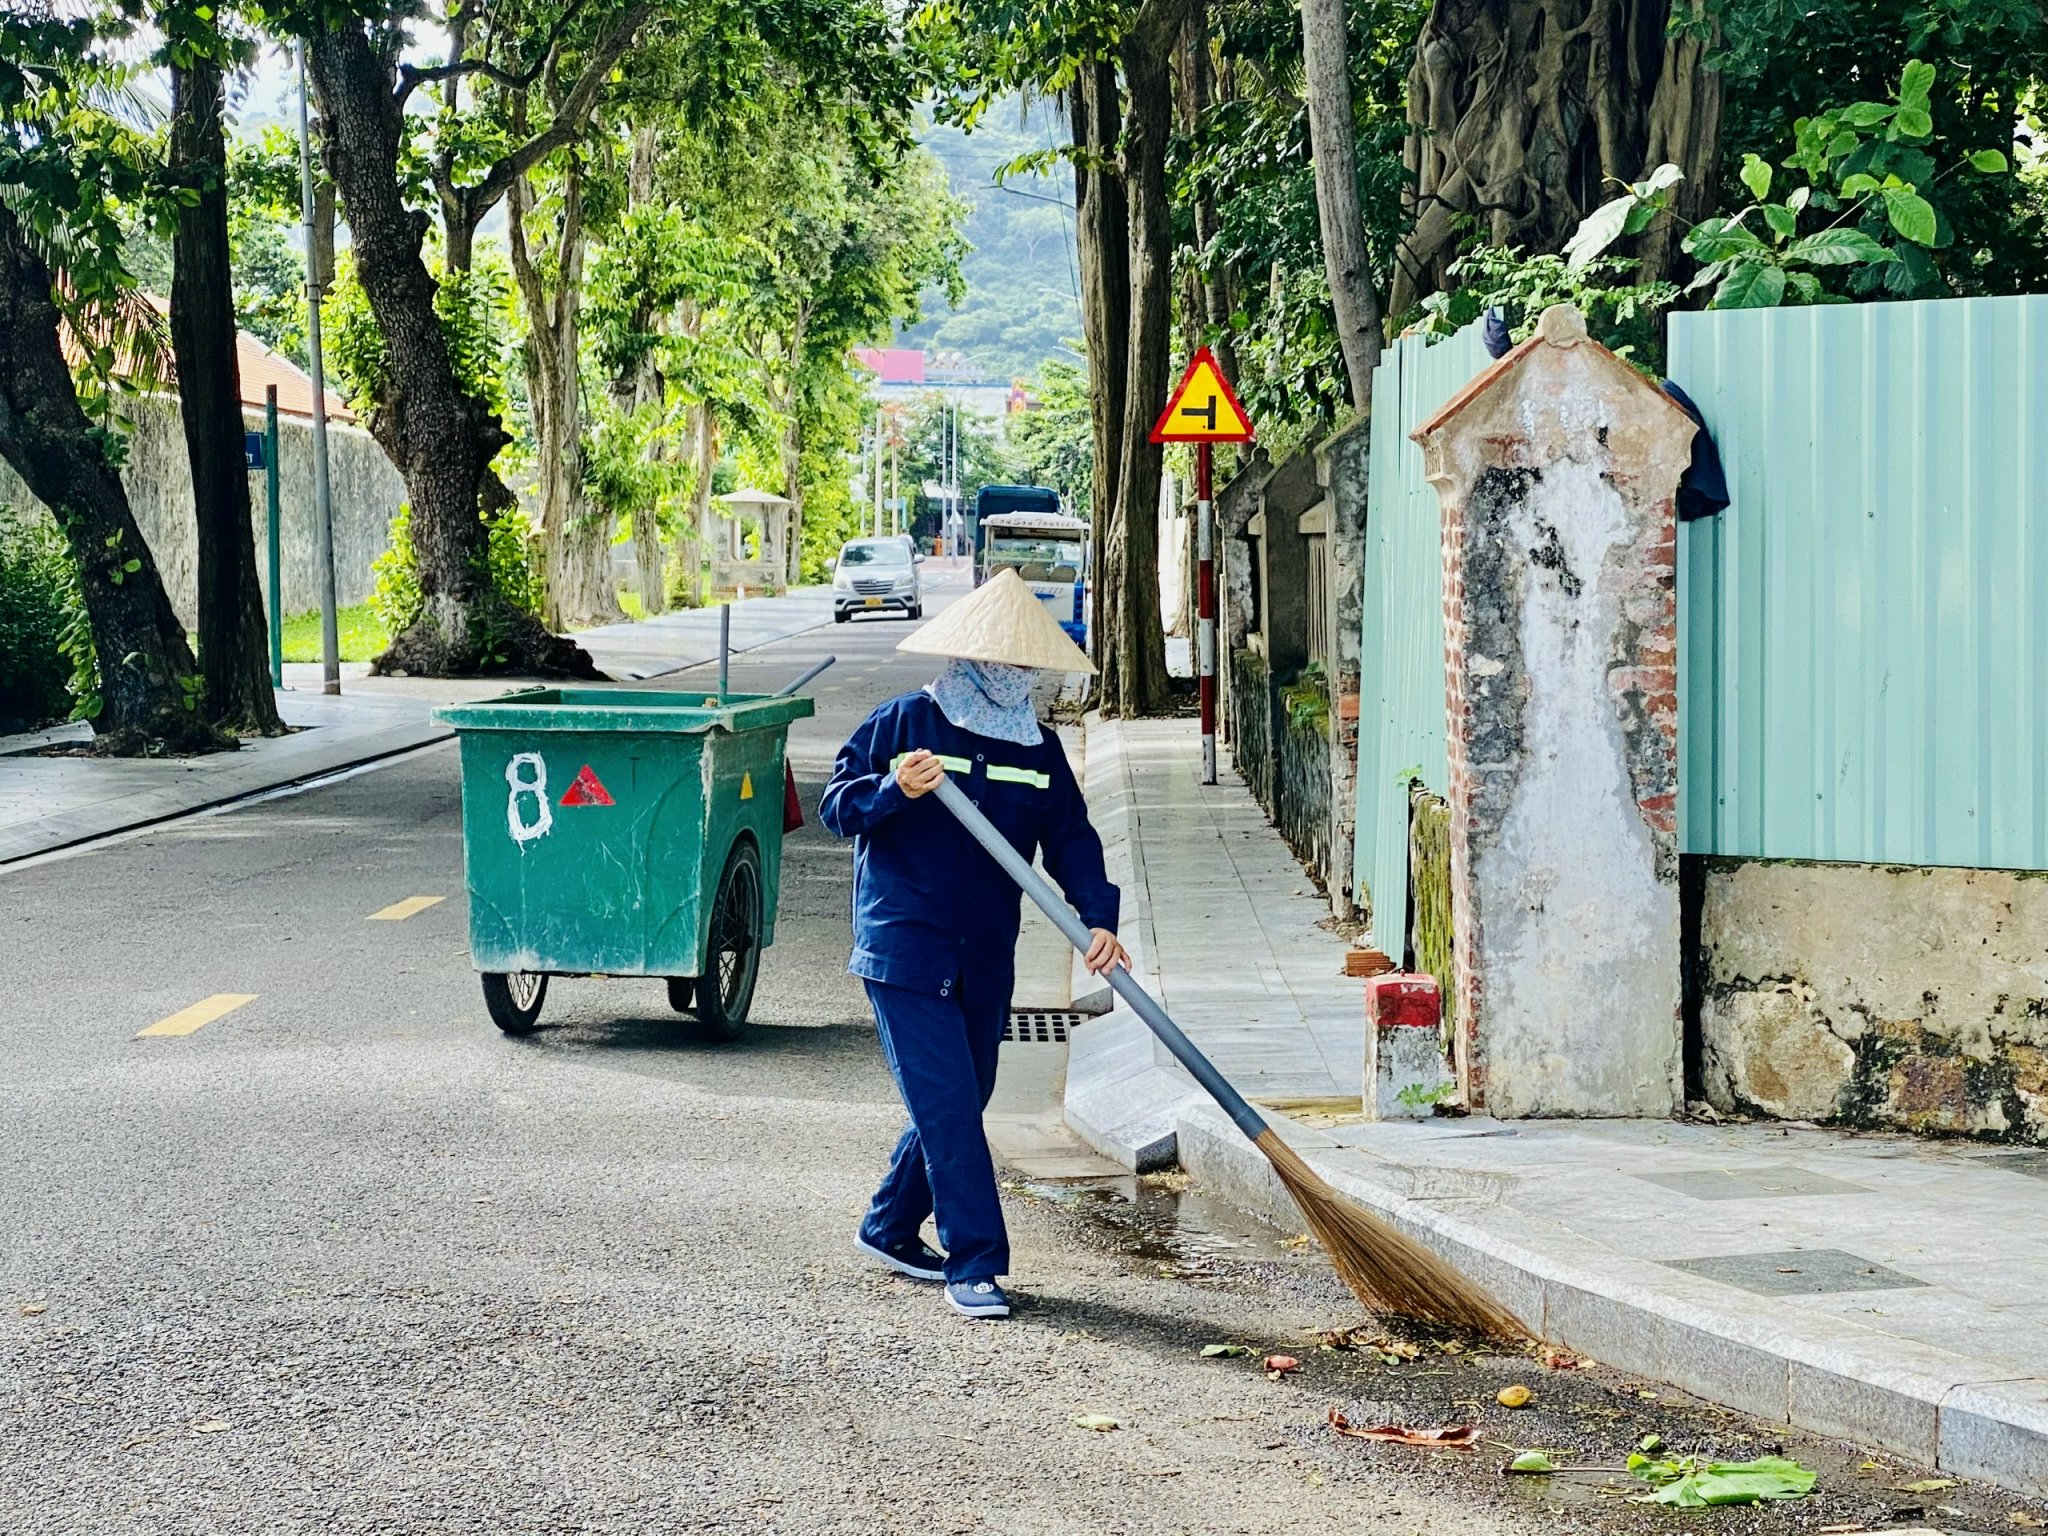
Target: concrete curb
<point>1124,1092</point>
<point>1128,1099</point>
<point>1930,1405</point>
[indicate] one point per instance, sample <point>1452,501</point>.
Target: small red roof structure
<point>895,365</point>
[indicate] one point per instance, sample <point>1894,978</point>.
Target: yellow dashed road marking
<point>199,1015</point>
<point>399,911</point>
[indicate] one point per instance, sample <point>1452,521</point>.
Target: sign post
<point>276,537</point>
<point>1204,411</point>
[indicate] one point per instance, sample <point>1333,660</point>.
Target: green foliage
<point>1865,175</point>
<point>1020,283</point>
<point>42,626</point>
<point>1416,1096</point>
<point>1621,315</point>
<point>511,557</point>
<point>264,241</point>
<point>1307,699</point>
<point>477,315</point>
<point>1054,443</point>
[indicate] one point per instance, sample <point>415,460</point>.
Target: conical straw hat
<point>1000,621</point>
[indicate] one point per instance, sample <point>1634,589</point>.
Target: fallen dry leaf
<point>1928,1485</point>
<point>34,1308</point>
<point>1515,1396</point>
<point>211,1427</point>
<point>2021,1517</point>
<point>1101,1423</point>
<point>1277,1366</point>
<point>1563,1360</point>
<point>1456,1436</point>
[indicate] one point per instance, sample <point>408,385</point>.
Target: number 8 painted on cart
<point>537,786</point>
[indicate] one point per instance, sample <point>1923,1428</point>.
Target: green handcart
<point>623,832</point>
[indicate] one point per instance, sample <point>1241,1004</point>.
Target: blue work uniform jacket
<point>928,903</point>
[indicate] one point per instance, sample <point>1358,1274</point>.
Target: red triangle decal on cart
<point>586,790</point>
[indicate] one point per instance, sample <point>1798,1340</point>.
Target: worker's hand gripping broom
<point>1387,1270</point>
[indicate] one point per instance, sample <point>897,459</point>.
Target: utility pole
<point>875,529</point>
<point>895,490</point>
<point>323,497</point>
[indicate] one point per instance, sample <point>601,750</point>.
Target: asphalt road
<point>344,1259</point>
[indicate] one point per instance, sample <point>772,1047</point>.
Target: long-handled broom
<point>1386,1269</point>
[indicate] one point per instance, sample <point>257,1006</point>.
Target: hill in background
<point>1022,305</point>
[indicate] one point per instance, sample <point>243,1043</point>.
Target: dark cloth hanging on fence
<point>1703,488</point>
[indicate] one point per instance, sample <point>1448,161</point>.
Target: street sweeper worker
<point>935,917</point>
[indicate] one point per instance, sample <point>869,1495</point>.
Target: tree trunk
<point>689,551</point>
<point>575,535</point>
<point>1102,238</point>
<point>234,638</point>
<point>793,488</point>
<point>1133,655</point>
<point>1520,112</point>
<point>1685,130</point>
<point>1354,291</point>
<point>643,391</point>
<point>149,683</point>
<point>1198,84</point>
<point>441,438</point>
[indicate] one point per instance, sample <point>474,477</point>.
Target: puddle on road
<point>1160,1220</point>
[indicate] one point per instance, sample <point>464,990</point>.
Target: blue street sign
<point>253,451</point>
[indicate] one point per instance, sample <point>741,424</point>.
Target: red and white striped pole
<point>1205,606</point>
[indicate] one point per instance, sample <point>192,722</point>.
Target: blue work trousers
<point>942,1051</point>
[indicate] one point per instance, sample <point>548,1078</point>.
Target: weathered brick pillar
<point>1557,468</point>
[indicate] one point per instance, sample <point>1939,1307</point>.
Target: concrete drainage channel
<point>1156,1218</point>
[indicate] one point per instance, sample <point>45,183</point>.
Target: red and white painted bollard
<point>1205,606</point>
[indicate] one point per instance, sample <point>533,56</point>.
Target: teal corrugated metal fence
<point>1401,648</point>
<point>1864,632</point>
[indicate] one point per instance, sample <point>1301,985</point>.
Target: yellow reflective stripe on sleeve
<point>950,764</point>
<point>1001,775</point>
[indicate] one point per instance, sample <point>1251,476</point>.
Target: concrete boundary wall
<point>367,493</point>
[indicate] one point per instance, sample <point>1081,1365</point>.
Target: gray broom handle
<point>788,689</point>
<point>1125,985</point>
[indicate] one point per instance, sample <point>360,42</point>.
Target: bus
<point>1044,546</point>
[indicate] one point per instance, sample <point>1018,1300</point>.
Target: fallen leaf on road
<point>2021,1517</point>
<point>1563,1360</point>
<point>1277,1366</point>
<point>34,1308</point>
<point>1102,1423</point>
<point>211,1426</point>
<point>1456,1436</point>
<point>1928,1485</point>
<point>1530,1461</point>
<point>1516,1396</point>
<point>1224,1351</point>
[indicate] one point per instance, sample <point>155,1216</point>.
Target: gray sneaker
<point>915,1258</point>
<point>977,1298</point>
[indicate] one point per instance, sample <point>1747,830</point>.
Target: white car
<point>877,576</point>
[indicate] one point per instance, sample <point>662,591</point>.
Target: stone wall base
<point>1883,997</point>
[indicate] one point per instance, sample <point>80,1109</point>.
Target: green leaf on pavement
<point>1224,1351</point>
<point>1838,248</point>
<point>1911,214</point>
<point>1992,160</point>
<point>1751,285</point>
<point>1531,1461</point>
<point>1687,1482</point>
<point>1100,1422</point>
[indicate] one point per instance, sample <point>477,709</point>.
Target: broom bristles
<point>1386,1269</point>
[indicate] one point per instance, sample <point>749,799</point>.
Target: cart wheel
<point>681,992</point>
<point>514,999</point>
<point>726,989</point>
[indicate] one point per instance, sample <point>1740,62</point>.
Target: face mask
<point>1004,685</point>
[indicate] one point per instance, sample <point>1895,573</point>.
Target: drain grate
<point>1041,1026</point>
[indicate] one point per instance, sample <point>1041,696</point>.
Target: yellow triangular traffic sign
<point>746,786</point>
<point>1203,408</point>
